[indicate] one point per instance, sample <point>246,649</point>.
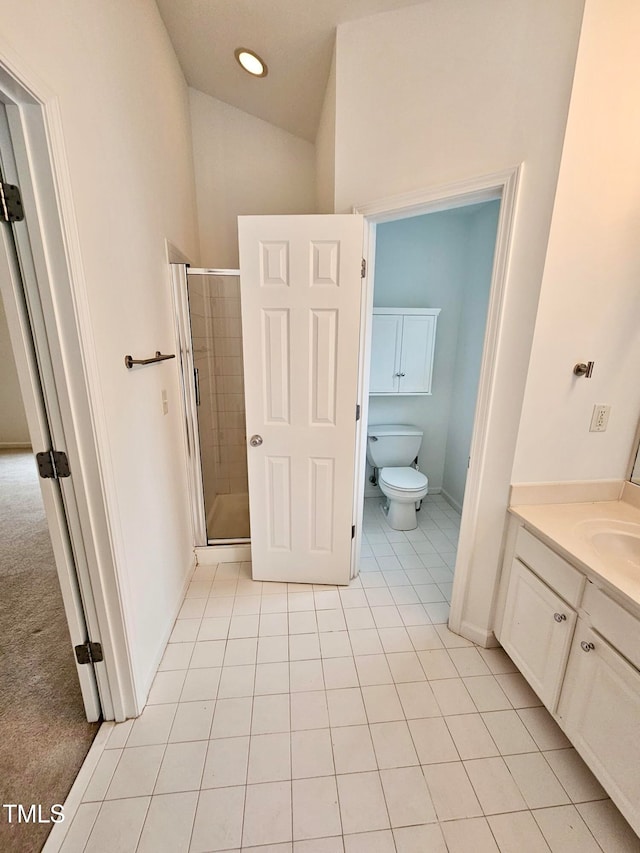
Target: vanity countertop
<point>595,537</point>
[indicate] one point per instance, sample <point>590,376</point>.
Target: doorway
<point>209,337</point>
<point>44,732</point>
<point>49,704</point>
<point>481,523</point>
<point>431,269</point>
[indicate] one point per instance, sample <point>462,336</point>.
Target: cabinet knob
<point>400,374</point>
<point>560,617</point>
<point>586,647</point>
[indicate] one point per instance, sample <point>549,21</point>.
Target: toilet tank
<point>392,445</point>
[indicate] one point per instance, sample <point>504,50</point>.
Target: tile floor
<point>293,719</point>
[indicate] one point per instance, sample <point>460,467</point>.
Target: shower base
<point>229,517</point>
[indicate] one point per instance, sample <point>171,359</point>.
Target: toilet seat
<point>403,479</point>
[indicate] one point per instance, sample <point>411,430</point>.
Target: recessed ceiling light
<point>251,62</point>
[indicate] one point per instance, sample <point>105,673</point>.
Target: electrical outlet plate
<point>599,418</point>
<point>165,402</point>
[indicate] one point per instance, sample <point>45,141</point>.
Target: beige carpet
<point>44,735</point>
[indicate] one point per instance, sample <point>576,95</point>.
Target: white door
<point>300,281</point>
<point>27,330</point>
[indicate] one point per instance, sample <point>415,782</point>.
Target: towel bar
<point>130,361</point>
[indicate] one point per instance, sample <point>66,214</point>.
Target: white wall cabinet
<point>579,649</point>
<point>402,348</point>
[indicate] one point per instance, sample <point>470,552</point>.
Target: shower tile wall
<point>214,304</point>
<point>229,438</point>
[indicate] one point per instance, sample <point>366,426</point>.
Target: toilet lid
<point>403,478</point>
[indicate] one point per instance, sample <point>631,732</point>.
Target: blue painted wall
<point>440,260</point>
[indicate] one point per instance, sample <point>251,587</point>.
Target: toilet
<point>391,448</point>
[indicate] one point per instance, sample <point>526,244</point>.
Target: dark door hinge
<point>196,380</point>
<point>363,268</point>
<point>353,531</point>
<point>53,464</point>
<point>358,411</point>
<point>11,209</point>
<point>89,653</point>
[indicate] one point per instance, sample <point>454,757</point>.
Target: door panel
<point>417,353</point>
<point>301,291</point>
<point>537,632</point>
<point>600,707</point>
<point>385,353</point>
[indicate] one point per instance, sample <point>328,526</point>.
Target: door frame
<point>83,535</point>
<point>503,185</point>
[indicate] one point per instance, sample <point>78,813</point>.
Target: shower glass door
<point>216,336</point>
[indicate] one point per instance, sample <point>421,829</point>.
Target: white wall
<point>440,260</point>
<point>590,302</point>
<point>124,110</point>
<point>13,420</point>
<point>441,92</point>
<point>243,165</point>
<point>481,237</point>
<point>326,147</point>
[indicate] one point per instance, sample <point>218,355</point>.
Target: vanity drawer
<point>556,572</point>
<point>613,622</point>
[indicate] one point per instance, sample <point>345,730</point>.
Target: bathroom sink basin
<point>615,541</point>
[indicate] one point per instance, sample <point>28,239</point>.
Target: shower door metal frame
<point>179,277</point>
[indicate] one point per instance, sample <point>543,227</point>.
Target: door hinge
<point>89,653</point>
<point>53,464</point>
<point>357,411</point>
<point>196,380</point>
<point>11,209</point>
<point>353,531</point>
<point>363,268</point>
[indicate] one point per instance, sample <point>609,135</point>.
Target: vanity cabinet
<point>579,649</point>
<point>599,711</point>
<point>537,631</point>
<point>403,343</point>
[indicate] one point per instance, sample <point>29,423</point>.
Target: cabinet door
<point>416,360</point>
<point>385,353</point>
<point>600,710</point>
<point>537,631</point>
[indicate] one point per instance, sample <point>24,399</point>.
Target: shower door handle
<point>196,382</point>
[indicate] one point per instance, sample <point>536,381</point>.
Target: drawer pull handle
<point>586,647</point>
<point>560,617</point>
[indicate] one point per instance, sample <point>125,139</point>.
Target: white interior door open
<point>300,281</point>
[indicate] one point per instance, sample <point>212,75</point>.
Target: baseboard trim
<point>59,831</point>
<point>142,700</point>
<point>450,500</point>
<point>210,555</point>
<point>480,636</point>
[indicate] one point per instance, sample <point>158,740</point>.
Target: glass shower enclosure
<point>210,338</point>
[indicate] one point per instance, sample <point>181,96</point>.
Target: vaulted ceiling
<point>294,37</point>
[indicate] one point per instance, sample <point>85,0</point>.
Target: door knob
<point>559,617</point>
<point>255,440</point>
